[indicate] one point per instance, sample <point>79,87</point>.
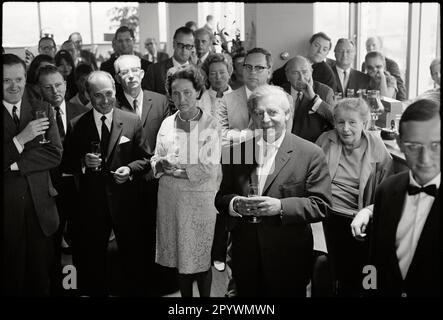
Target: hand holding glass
<point>40,114</point>
<point>95,150</point>
<point>253,192</point>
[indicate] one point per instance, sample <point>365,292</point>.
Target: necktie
<point>58,119</point>
<point>199,62</point>
<point>430,190</point>
<point>15,118</point>
<point>297,111</point>
<point>136,106</point>
<point>105,138</point>
<point>344,81</point>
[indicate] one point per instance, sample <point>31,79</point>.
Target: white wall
<point>281,27</point>
<point>177,14</point>
<point>149,23</point>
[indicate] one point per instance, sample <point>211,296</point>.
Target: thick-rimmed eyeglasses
<point>415,148</point>
<point>186,46</point>
<point>257,69</point>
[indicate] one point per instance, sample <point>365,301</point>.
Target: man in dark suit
<point>273,257</point>
<point>345,76</point>
<point>152,108</point>
<point>106,187</point>
<point>405,240</point>
<point>53,89</point>
<point>183,45</point>
<point>313,101</point>
<point>319,46</point>
<point>376,44</point>
<point>153,55</point>
<point>85,56</point>
<point>124,41</point>
<point>30,215</point>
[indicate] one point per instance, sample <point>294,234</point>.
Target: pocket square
<point>123,139</point>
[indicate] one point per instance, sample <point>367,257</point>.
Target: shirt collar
<point>178,64</point>
<point>213,93</point>
<point>98,115</point>
<point>340,70</point>
<point>435,181</point>
<point>10,106</point>
<point>276,144</point>
<point>295,92</point>
<point>203,58</point>
<point>131,99</point>
<point>62,107</point>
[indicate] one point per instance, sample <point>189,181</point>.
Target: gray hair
<point>353,104</point>
<point>266,90</point>
<point>123,56</point>
<point>297,58</point>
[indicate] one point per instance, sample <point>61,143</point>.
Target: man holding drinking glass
<point>272,256</point>
<point>108,194</point>
<point>30,215</point>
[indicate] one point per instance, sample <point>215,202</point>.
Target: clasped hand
<point>258,206</point>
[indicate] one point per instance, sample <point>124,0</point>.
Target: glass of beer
<point>253,192</point>
<point>95,150</point>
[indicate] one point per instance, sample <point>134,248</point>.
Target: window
<point>377,19</point>
<point>429,43</point>
<point>75,18</point>
<point>333,19</point>
<point>20,24</point>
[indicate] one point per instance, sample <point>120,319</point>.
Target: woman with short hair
<point>187,162</point>
<point>358,162</point>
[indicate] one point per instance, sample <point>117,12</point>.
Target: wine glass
<point>253,192</point>
<point>39,114</point>
<point>96,150</point>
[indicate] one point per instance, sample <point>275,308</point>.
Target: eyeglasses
<point>416,148</point>
<point>57,86</point>
<point>47,48</point>
<point>186,46</point>
<point>257,69</point>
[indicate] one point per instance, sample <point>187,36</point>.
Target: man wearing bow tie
<point>106,184</point>
<point>405,248</point>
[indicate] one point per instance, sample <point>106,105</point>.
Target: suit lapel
<point>116,130</point>
<point>25,113</point>
<point>281,158</point>
<point>147,106</point>
<point>8,121</point>
<point>337,78</point>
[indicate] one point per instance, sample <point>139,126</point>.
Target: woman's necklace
<point>193,118</point>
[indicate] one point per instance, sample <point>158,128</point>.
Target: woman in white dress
<point>187,161</point>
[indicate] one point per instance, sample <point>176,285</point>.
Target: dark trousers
<point>67,206</point>
<point>27,253</point>
<point>347,255</point>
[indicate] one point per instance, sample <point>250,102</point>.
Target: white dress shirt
<point>63,115</point>
<point>415,212</point>
<point>14,166</point>
<point>341,76</point>
<point>139,99</point>
<point>203,58</point>
<point>98,121</point>
<point>266,165</point>
<point>178,64</point>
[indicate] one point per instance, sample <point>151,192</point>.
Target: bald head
<point>436,70</point>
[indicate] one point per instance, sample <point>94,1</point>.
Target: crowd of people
<point>212,159</point>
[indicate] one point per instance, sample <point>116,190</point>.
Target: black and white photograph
<point>226,150</point>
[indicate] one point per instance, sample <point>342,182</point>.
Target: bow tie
<point>430,190</point>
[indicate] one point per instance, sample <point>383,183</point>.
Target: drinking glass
<point>338,96</point>
<point>375,106</point>
<point>350,93</point>
<point>253,192</point>
<point>96,150</point>
<point>39,114</point>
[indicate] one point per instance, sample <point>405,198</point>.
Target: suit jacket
<point>423,277</point>
<point>394,70</point>
<point>155,77</point>
<point>34,164</point>
<point>89,58</point>
<point>321,72</point>
<point>357,80</point>
<point>72,110</point>
<point>301,180</point>
<point>161,56</point>
<point>308,125</point>
<point>154,110</point>
<point>132,153</point>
